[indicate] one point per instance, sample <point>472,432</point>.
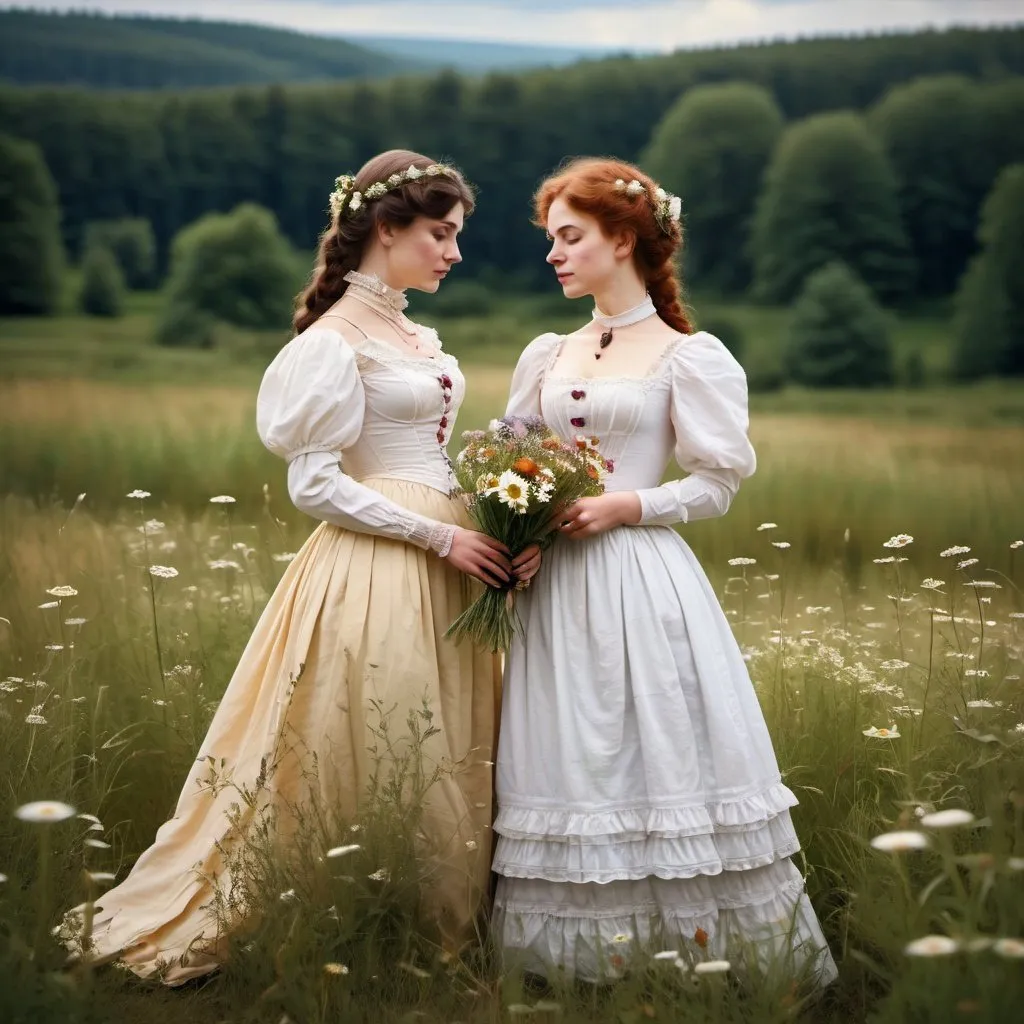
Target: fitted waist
<point>381,481</point>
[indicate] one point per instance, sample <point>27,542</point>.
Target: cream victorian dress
<point>640,804</point>
<point>359,617</point>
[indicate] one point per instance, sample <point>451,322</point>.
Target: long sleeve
<point>710,421</point>
<point>524,393</point>
<point>309,409</point>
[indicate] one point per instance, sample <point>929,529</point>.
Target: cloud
<point>615,24</point>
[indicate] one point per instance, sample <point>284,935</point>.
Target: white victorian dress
<point>639,799</point>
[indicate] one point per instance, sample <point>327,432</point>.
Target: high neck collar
<point>639,312</point>
<point>371,287</point>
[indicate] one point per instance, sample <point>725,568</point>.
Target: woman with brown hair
<point>640,804</point>
<point>360,404</point>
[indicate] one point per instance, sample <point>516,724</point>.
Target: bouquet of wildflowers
<point>516,475</point>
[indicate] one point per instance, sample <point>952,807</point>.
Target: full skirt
<point>354,630</point>
<point>640,804</point>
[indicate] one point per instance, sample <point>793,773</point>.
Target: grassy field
<point>105,693</point>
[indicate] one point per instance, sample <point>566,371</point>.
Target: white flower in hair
<point>355,202</point>
<point>413,173</point>
<point>675,208</point>
<point>376,190</point>
<point>395,179</point>
<point>660,194</point>
<point>634,188</point>
<point>619,184</point>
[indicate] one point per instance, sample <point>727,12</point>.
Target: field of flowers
<point>872,570</point>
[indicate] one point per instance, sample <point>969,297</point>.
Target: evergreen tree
<point>103,284</point>
<point>133,245</point>
<point>712,149</point>
<point>838,335</point>
<point>31,251</point>
<point>829,194</point>
<point>989,321</point>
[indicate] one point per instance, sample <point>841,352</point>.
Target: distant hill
<point>474,57</point>
<point>104,52</point>
<point>101,51</point>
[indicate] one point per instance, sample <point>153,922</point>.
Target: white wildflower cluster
<point>347,199</point>
<point>901,540</point>
<point>668,208</point>
<point>516,491</point>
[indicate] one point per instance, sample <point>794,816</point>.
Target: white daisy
<point>513,491</point>
<point>900,842</point>
<point>953,817</point>
<point>44,811</point>
<point>712,967</point>
<point>932,945</point>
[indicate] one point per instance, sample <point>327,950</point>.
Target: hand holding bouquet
<point>517,474</point>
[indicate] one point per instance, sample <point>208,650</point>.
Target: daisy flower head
<point>892,733</point>
<point>712,967</point>
<point>932,945</point>
<point>900,841</point>
<point>513,491</point>
<point>44,812</point>
<point>953,817</point>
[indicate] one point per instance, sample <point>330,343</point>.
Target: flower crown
<point>346,198</point>
<point>667,207</point>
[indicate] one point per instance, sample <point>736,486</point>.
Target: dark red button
<point>440,437</point>
<point>444,422</point>
<point>579,394</point>
<point>445,380</point>
<point>578,421</point>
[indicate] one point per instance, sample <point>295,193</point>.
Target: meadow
<point>872,570</point>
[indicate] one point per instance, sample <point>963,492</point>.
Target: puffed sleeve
<point>524,394</point>
<point>710,421</point>
<point>309,409</point>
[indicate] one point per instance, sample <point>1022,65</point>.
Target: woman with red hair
<point>640,801</point>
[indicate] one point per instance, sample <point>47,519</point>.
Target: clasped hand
<point>490,561</point>
<point>591,516</point>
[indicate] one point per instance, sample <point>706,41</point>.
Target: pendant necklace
<point>631,316</point>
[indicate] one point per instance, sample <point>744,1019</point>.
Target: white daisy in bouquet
<point>516,475</point>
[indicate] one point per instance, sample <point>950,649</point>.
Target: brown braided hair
<point>588,184</point>
<point>343,242</point>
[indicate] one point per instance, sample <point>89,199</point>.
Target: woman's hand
<point>481,557</point>
<point>525,565</point>
<point>591,516</point>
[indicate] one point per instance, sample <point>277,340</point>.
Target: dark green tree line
<point>172,157</point>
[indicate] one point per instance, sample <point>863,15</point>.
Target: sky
<point>619,24</point>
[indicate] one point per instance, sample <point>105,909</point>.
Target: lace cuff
<point>442,535</point>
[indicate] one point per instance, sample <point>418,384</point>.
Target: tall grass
<point>120,681</point>
<point>106,693</point>
<point>819,475</point>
